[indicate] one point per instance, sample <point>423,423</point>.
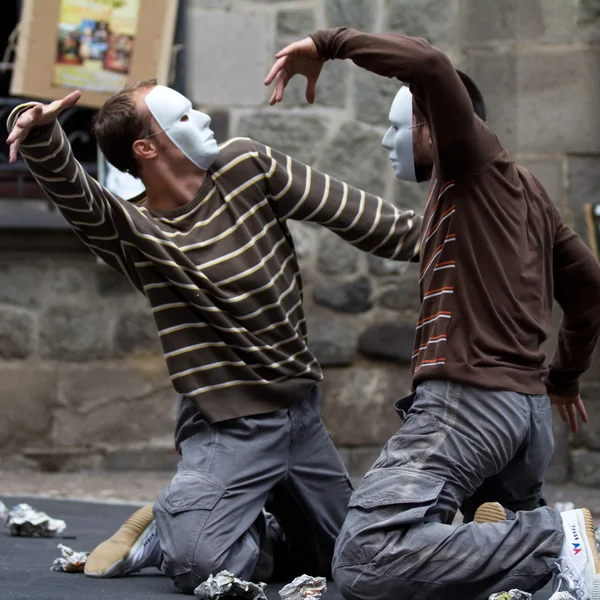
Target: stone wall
<point>81,379</point>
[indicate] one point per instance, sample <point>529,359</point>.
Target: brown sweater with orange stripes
<point>494,249</point>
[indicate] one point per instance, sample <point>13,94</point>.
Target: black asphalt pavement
<point>25,562</point>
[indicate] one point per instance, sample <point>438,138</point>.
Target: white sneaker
<point>578,565</point>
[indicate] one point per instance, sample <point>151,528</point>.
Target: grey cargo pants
<point>398,540</point>
<point>210,517</point>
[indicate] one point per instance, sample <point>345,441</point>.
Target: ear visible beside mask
<point>399,137</point>
<point>188,129</point>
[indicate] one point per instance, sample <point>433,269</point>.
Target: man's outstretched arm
<point>88,207</point>
<point>438,91</point>
<point>296,191</point>
<point>577,290</point>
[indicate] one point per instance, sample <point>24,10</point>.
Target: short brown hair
<point>119,123</point>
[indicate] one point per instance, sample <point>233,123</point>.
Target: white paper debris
<point>70,561</point>
<point>23,520</point>
<point>564,506</point>
<point>3,511</point>
<point>562,596</point>
<point>304,586</point>
<point>227,584</point>
<point>511,595</point>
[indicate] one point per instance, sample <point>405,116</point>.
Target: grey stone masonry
<point>82,377</point>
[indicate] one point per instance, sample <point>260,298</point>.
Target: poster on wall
<point>96,46</point>
<point>96,40</point>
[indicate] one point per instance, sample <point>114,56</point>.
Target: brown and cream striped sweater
<point>221,273</point>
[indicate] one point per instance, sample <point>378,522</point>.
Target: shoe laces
<point>566,574</point>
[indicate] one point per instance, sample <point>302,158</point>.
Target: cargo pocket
<point>181,513</point>
<point>386,502</point>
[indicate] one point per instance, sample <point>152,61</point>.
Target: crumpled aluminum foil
<point>70,561</point>
<point>227,584</point>
<point>562,596</point>
<point>23,520</point>
<point>512,595</point>
<point>3,511</point>
<point>304,586</point>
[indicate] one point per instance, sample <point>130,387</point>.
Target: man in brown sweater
<point>208,245</point>
<point>494,252</point>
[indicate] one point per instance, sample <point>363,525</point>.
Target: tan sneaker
<point>490,512</point>
<point>133,547</point>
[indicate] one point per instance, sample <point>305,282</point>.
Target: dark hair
<point>119,123</point>
<point>474,94</point>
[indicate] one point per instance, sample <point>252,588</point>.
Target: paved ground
<point>25,562</point>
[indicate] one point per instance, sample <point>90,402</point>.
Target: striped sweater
<point>494,250</point>
<point>221,273</point>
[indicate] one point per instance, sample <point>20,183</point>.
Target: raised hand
<point>299,58</point>
<point>37,116</point>
<point>568,407</point>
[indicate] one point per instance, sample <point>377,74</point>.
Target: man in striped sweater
<point>208,245</point>
<point>494,252</point>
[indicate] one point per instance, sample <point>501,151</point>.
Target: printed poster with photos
<point>95,44</point>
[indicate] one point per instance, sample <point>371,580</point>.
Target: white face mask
<point>399,137</point>
<point>192,135</point>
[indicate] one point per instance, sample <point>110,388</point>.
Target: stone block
<point>393,341</point>
<point>210,4</point>
<point>72,459</point>
<point>402,292</point>
<point>558,471</point>
<point>496,77</point>
<point>144,457</point>
<point>588,21</point>
<point>295,22</point>
<point>385,266</point>
<point>545,21</point>
<point>29,396</point>
<point>135,333</point>
<point>350,13</point>
<point>358,403</point>
<point>70,280</point>
<point>22,282</point>
<point>16,333</point>
<point>373,97</point>
<point>559,95</point>
<point>586,467</point>
<point>347,296</point>
<point>74,333</point>
<point>119,420</point>
<point>336,256</point>
<point>228,78</point>
<point>332,340</point>
<point>332,89</point>
<point>305,237</point>
<point>584,188</point>
<point>434,20</point>
<point>549,172</point>
<point>292,134</point>
<point>490,20</point>
<point>356,156</point>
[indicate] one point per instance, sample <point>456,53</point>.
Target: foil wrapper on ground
<point>226,584</point>
<point>304,586</point>
<point>3,512</point>
<point>23,520</point>
<point>70,561</point>
<point>512,595</point>
<point>562,596</point>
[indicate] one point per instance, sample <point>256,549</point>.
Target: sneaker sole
<point>490,512</point>
<point>592,550</point>
<point>122,566</point>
